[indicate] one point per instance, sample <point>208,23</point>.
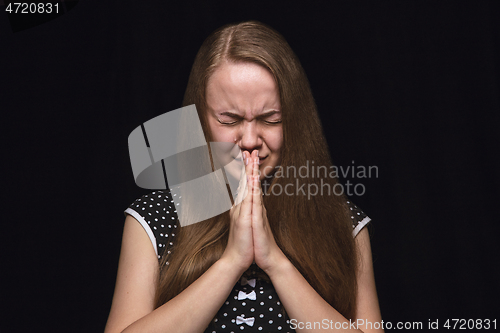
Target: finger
<point>257,198</point>
<point>246,204</point>
<point>242,187</point>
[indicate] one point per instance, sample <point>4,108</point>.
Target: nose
<point>249,137</point>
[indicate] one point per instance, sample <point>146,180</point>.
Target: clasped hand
<point>250,236</point>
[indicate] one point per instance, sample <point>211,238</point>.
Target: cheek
<point>274,140</point>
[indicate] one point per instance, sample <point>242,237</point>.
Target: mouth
<point>261,160</point>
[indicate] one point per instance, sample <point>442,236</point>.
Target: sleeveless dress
<point>253,304</point>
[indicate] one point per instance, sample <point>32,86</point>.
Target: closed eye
<point>271,117</point>
<point>231,119</point>
<point>229,123</point>
<point>272,122</point>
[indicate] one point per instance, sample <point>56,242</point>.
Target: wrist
<point>280,267</point>
<point>230,266</point>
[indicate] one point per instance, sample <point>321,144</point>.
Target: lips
<point>262,159</point>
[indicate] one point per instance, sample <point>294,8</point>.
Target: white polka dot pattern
<point>156,208</point>
<point>258,309</point>
<point>252,306</point>
<point>358,217</point>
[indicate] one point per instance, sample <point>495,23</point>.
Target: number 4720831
<point>463,324</point>
<point>32,8</point>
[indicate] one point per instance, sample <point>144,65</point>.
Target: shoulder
<point>137,274</point>
<point>358,217</point>
<point>156,213</point>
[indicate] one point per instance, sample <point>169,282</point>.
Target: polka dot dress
<point>156,213</point>
<point>253,305</point>
<point>358,217</point>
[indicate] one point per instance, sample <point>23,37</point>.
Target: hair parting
<point>315,234</point>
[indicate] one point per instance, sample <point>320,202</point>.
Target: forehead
<point>243,87</point>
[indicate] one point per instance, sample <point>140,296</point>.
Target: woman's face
<point>244,104</point>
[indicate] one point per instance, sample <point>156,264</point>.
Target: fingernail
<point>246,161</point>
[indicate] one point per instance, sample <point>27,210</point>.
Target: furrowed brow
<point>268,114</point>
<point>230,114</point>
<point>238,116</point>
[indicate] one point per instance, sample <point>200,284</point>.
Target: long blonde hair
<point>314,233</point>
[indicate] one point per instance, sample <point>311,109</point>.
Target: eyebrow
<point>264,115</point>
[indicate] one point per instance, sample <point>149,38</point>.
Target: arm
<point>193,309</point>
<point>300,300</point>
<point>133,310</point>
<point>367,306</point>
<point>306,305</point>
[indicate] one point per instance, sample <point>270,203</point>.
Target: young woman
<point>282,260</point>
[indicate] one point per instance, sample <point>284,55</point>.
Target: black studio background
<point>411,87</point>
